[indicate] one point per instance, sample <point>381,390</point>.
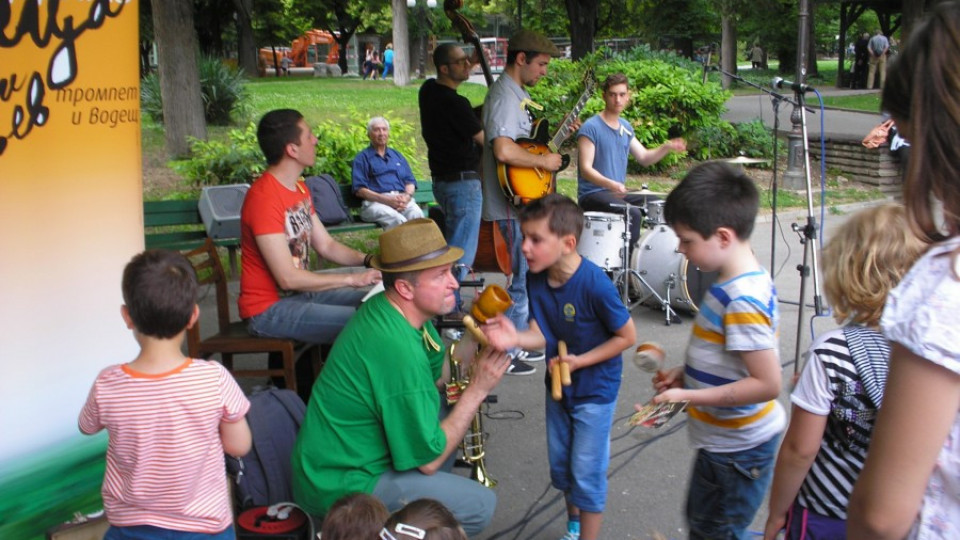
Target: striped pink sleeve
<point>235,404</point>
<point>89,422</point>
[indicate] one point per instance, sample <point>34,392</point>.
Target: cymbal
<point>644,191</point>
<point>744,160</point>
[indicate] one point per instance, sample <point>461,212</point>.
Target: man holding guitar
<point>454,137</point>
<point>604,143</point>
<point>506,118</point>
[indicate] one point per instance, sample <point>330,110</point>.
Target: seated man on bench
<point>279,296</point>
<point>383,179</point>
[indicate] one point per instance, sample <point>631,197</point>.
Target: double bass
<point>493,252</point>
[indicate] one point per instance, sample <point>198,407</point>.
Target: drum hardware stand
<point>623,274</point>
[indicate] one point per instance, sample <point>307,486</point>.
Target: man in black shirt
<point>454,137</point>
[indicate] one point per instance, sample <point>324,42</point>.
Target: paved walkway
<point>837,123</point>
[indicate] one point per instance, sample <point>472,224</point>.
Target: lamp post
<point>423,21</point>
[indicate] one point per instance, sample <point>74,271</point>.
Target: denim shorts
<point>726,489</point>
<point>149,532</point>
<point>578,443</point>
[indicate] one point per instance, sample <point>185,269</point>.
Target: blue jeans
<point>519,312</point>
<point>471,503</point>
<point>727,489</point>
<point>461,202</point>
<point>578,444</point>
<point>149,532</point>
<point>315,317</point>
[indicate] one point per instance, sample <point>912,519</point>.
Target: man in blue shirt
<point>383,179</point>
<point>604,142</point>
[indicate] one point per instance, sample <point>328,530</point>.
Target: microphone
<point>780,82</point>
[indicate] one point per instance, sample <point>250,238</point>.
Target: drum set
<point>657,274</point>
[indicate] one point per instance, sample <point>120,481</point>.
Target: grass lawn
<point>861,102</point>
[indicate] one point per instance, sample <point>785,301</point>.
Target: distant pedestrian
<point>387,61</point>
<point>756,56</point>
<point>878,47</point>
<point>285,64</point>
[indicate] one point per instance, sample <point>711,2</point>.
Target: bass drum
<point>664,268</point>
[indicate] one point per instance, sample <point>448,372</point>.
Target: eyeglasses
<point>403,528</point>
<point>463,61</point>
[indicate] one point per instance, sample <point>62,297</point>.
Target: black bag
<point>327,200</point>
<point>263,475</point>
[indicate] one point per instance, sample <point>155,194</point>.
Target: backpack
<point>327,199</point>
<point>263,475</point>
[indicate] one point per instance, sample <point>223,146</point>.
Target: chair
<point>233,337</point>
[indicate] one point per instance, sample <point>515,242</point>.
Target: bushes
<point>669,97</point>
<point>239,160</point>
<point>221,89</point>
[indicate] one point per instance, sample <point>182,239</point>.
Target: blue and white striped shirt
<point>738,315</point>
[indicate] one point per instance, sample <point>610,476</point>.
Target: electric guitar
<point>522,184</point>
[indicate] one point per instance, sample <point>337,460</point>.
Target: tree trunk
<point>246,44</point>
<point>179,75</point>
<point>728,48</point>
<point>583,26</point>
<point>401,44</point>
<point>812,69</point>
<point>343,40</point>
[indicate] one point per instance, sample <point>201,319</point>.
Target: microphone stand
<point>775,99</point>
<point>808,237</point>
<point>808,233</point>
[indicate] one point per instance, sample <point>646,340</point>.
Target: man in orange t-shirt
<point>279,295</point>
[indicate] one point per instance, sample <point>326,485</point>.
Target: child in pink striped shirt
<point>170,418</point>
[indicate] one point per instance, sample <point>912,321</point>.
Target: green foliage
<point>222,90</point>
<point>669,97</point>
<point>238,160</point>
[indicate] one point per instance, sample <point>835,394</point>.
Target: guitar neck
<point>564,130</point>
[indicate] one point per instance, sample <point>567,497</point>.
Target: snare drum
<point>656,259</point>
<point>601,241</point>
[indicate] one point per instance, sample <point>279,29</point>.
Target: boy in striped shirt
<point>732,375</point>
<point>169,418</point>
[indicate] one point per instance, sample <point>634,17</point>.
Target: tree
<point>179,75</point>
<point>583,26</point>
<point>246,45</point>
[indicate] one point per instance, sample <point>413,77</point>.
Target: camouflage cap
<point>530,41</point>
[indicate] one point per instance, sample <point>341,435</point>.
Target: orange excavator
<point>312,47</point>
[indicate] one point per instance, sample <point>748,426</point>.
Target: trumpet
<point>472,444</point>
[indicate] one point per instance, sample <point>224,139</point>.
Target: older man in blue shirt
<point>383,179</point>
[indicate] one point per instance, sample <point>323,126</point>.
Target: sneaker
<point>530,356</point>
<point>519,367</point>
<point>570,536</point>
<point>453,334</point>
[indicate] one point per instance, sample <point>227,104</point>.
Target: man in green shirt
<point>373,423</point>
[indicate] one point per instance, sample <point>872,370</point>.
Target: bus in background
<point>495,49</point>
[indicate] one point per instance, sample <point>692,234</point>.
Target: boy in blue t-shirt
<point>732,375</point>
<point>573,300</point>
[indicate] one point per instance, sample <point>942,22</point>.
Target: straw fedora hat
<point>415,245</point>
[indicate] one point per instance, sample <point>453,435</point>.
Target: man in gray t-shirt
<point>878,46</point>
<point>506,118</point>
